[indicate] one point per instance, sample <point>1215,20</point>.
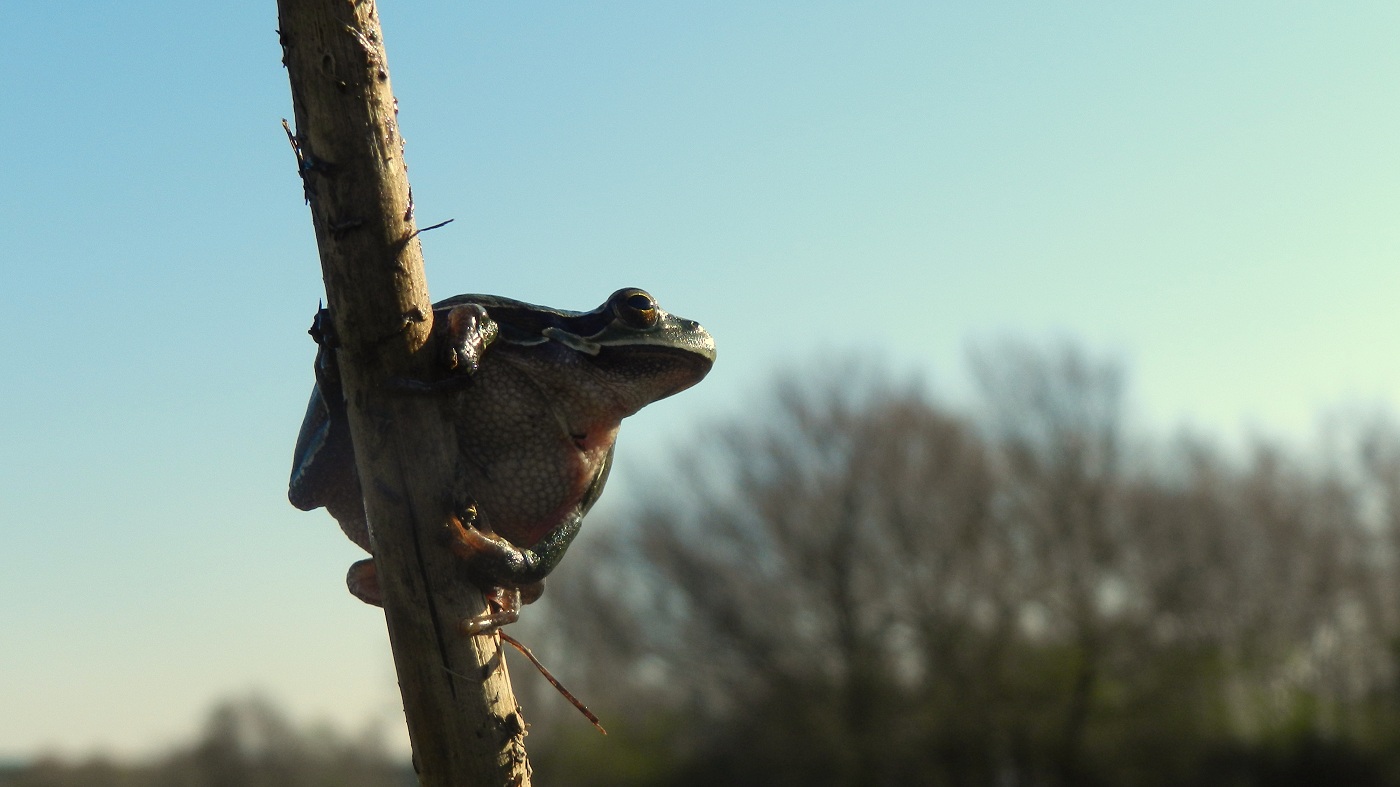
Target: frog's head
<point>631,340</point>
<point>618,358</point>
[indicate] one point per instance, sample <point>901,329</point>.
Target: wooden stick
<point>464,730</point>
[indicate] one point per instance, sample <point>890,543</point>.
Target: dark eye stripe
<point>523,323</point>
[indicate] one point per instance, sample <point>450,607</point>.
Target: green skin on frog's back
<point>536,396</point>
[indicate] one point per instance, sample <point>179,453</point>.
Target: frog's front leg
<point>468,333</point>
<point>511,575</point>
<point>492,560</point>
<point>470,330</point>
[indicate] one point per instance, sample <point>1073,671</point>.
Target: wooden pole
<point>463,720</point>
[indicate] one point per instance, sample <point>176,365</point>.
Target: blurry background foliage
<point>854,584</point>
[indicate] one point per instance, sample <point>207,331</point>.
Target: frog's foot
<point>363,581</point>
<point>502,607</point>
<point>323,330</point>
<point>470,330</point>
<point>326,368</point>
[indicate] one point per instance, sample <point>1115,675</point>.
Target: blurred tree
<point>829,583</point>
<point>245,743</point>
<point>1057,421</point>
<point>855,585</point>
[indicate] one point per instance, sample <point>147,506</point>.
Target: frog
<point>535,398</point>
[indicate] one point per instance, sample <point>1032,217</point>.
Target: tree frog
<point>536,396</point>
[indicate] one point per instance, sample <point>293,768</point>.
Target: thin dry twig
<point>568,695</point>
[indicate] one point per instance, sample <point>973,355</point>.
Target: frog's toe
<point>363,581</point>
<point>468,542</point>
<point>470,330</point>
<point>502,608</point>
<point>487,622</point>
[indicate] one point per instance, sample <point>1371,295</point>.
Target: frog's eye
<point>635,308</point>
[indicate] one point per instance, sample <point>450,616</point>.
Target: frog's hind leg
<point>363,581</point>
<point>502,604</point>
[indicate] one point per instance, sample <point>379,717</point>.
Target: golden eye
<point>635,308</point>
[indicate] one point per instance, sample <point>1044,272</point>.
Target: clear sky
<point>1205,190</point>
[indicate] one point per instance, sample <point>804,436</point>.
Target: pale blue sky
<point>1206,190</point>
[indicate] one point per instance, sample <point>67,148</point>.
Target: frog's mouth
<point>666,369</point>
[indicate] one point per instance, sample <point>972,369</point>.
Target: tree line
<point>245,742</point>
<point>858,585</point>
<point>853,583</point>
